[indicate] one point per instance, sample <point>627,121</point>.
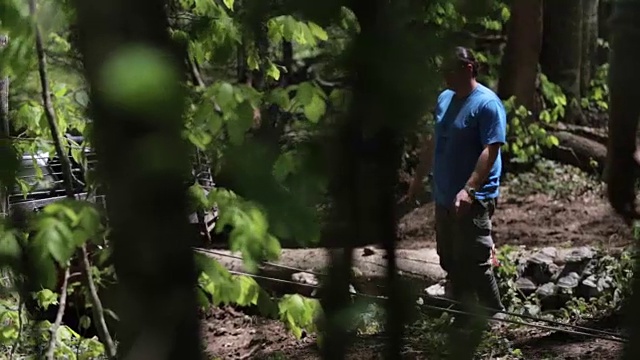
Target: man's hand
<point>463,202</point>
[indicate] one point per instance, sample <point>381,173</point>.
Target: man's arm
<point>492,124</point>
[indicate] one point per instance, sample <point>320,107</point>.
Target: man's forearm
<point>483,166</point>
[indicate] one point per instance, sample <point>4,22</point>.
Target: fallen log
<point>595,134</point>
<point>418,268</point>
<point>584,153</point>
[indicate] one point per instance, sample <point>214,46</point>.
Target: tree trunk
<point>4,120</point>
<point>604,12</point>
<point>143,160</point>
<point>589,44</point>
<point>520,62</point>
<point>562,49</point>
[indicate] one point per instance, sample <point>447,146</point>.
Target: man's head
<point>459,68</point>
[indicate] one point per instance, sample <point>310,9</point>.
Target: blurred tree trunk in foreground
<point>136,103</point>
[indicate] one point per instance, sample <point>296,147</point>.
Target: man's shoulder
<point>445,95</point>
<point>487,97</point>
<point>486,94</point>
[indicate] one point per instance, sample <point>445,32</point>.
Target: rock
<point>583,253</point>
<point>550,252</point>
<point>436,290</point>
<point>305,278</point>
<point>541,267</point>
<point>547,295</point>
<point>589,287</point>
<point>526,286</point>
<point>547,290</point>
<point>532,310</point>
<point>595,286</point>
<point>567,284</point>
<point>579,260</point>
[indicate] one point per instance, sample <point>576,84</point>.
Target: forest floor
<point>550,206</point>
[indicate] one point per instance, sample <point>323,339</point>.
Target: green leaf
<point>241,123</point>
<point>200,139</point>
<point>225,97</point>
<point>46,298</point>
<point>553,141</point>
<point>284,165</point>
<point>315,109</point>
<point>10,249</point>
<point>215,123</point>
<point>273,71</point>
<point>57,237</point>
<point>228,4</point>
<point>249,291</point>
<point>317,31</point>
<point>252,61</point>
<point>298,312</point>
<point>280,97</point>
<point>305,93</point>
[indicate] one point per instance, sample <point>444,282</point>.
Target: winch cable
<point>592,334</point>
<point>427,296</point>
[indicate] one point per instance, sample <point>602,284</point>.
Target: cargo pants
<point>465,248</point>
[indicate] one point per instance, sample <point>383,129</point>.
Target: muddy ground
<point>563,209</point>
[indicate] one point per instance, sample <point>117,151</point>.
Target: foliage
<point>597,98</point>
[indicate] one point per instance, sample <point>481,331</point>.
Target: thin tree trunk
<point>562,50</point>
<point>589,44</point>
<point>4,123</point>
<point>520,61</point>
<point>147,204</point>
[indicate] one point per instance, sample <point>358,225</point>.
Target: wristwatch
<point>471,191</point>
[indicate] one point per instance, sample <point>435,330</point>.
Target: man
<point>470,127</point>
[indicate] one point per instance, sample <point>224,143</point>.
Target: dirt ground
<point>532,218</point>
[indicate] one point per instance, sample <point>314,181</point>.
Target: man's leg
<point>444,245</point>
<point>474,248</point>
<point>478,254</point>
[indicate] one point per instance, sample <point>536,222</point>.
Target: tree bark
<point>562,50</point>
<point>147,204</point>
<point>589,44</point>
<point>4,93</point>
<point>4,121</point>
<point>520,61</point>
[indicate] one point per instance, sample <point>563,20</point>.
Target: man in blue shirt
<point>470,128</point>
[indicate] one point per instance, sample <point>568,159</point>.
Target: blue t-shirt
<point>463,127</point>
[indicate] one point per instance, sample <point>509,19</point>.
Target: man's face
<point>456,72</point>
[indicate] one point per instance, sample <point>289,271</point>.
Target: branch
<point>96,307</point>
<point>61,307</point>
<point>48,105</point>
<point>68,177</point>
<point>16,345</point>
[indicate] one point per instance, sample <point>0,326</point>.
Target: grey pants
<point>465,246</point>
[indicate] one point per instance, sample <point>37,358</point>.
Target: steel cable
<point>579,329</point>
<point>592,334</point>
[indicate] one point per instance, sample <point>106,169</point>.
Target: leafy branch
<point>68,184</point>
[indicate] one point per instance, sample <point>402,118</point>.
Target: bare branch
<point>62,304</point>
<point>96,306</point>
